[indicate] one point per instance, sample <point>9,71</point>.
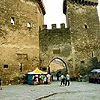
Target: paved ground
<point>76,91</point>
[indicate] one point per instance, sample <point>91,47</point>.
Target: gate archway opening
<point>57,65</point>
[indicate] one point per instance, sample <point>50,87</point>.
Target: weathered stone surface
<point>84,26</point>
<point>20,23</point>
<point>54,43</point>
<point>25,44</point>
<point>79,44</point>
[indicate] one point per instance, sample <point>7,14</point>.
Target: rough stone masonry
<point>26,44</point>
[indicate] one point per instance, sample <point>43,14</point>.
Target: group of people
<point>65,80</point>
<point>39,79</point>
<point>46,79</point>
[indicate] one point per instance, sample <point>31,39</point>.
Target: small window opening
<point>29,24</point>
<point>22,56</point>
<point>5,66</point>
<point>82,61</point>
<point>85,26</point>
<point>56,51</point>
<point>21,67</point>
<point>12,21</point>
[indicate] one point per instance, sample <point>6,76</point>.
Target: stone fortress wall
<point>20,23</point>
<point>54,43</point>
<point>83,22</point>
<point>78,44</point>
<point>25,43</point>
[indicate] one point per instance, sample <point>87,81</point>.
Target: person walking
<point>33,80</point>
<point>67,82</point>
<point>48,77</point>
<point>45,79</point>
<point>62,78</point>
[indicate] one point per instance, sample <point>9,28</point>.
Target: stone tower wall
<point>20,23</point>
<point>84,27</point>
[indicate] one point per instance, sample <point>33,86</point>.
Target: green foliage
<point>85,68</point>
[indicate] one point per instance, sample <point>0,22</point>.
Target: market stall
<point>34,76</point>
<point>95,76</point>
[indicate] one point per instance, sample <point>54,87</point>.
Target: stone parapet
<point>62,25</point>
<point>44,27</point>
<point>54,26</point>
<point>85,2</point>
<point>82,2</point>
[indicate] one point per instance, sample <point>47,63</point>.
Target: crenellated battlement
<point>81,2</point>
<point>54,26</point>
<point>85,2</point>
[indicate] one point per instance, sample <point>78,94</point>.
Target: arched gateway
<point>57,64</point>
<point>54,47</point>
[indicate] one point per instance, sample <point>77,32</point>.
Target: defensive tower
<point>83,23</point>
<point>20,23</point>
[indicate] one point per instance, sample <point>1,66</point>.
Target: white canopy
<point>96,70</point>
<point>37,71</point>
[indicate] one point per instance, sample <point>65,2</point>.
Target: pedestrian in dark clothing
<point>62,78</point>
<point>57,76</point>
<point>67,82</point>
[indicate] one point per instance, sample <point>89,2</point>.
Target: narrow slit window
<point>12,21</point>
<point>85,26</point>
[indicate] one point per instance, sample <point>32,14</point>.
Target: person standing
<point>33,80</point>
<point>67,82</point>
<point>45,79</point>
<point>48,77</point>
<point>57,75</point>
<point>0,83</point>
<point>78,76</point>
<point>62,78</point>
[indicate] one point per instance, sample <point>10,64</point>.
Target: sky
<point>54,12</point>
